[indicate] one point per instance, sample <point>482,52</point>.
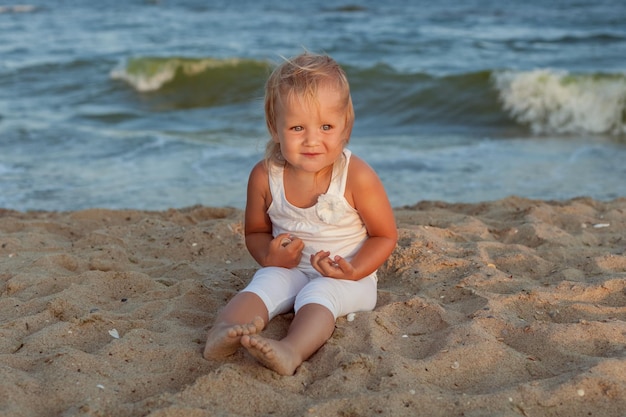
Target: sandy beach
<point>514,307</point>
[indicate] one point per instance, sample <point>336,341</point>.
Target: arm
<point>264,248</point>
<point>366,193</point>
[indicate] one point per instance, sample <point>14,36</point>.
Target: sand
<point>508,308</point>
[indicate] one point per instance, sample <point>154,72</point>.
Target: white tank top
<point>332,224</point>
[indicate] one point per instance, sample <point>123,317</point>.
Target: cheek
<point>281,136</point>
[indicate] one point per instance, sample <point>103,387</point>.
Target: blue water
<point>158,104</point>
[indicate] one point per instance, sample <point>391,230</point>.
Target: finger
<point>327,267</point>
<point>319,256</point>
<point>342,263</point>
<point>284,239</point>
<point>297,243</point>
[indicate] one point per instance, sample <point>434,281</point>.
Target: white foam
<point>150,74</point>
<point>143,82</point>
<point>551,101</point>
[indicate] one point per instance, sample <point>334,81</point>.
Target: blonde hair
<point>302,76</point>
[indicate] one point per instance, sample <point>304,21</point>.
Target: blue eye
<point>297,128</point>
<point>326,127</point>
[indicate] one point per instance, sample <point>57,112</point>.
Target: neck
<point>303,188</point>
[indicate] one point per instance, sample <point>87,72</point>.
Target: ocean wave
<point>545,101</point>
<point>184,83</point>
<point>602,38</point>
<point>390,99</point>
<point>553,101</point>
<point>146,74</point>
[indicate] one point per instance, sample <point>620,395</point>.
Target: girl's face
<point>312,133</point>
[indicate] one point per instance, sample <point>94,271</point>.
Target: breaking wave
<point>545,101</point>
<point>551,101</point>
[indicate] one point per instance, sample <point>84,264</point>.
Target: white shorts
<point>283,290</point>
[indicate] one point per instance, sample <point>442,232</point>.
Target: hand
<point>285,250</point>
<point>336,267</point>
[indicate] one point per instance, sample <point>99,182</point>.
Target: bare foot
<point>274,354</point>
<point>224,339</point>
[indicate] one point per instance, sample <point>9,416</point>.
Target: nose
<point>311,138</point>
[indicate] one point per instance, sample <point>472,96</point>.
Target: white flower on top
<point>330,208</point>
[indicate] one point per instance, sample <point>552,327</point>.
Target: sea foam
<point>552,101</point>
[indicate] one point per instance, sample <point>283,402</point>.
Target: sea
<point>158,104</point>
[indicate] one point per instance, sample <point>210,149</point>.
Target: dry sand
<point>508,308</point>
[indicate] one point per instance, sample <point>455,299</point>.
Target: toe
<point>258,323</point>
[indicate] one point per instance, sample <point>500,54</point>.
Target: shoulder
<point>259,196</point>
<point>259,172</point>
<point>360,173</point>
<point>363,184</point>
<point>258,181</point>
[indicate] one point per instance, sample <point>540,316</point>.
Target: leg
<point>245,314</point>
<point>311,327</point>
<point>272,291</point>
<point>317,306</point>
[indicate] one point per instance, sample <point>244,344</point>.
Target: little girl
<point>317,220</point>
